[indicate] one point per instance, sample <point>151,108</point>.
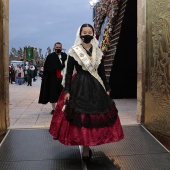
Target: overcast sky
<point>41,23</point>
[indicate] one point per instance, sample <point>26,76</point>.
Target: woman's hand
<point>66,97</point>
<point>108,93</point>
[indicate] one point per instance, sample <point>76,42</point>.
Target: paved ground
<point>25,112</point>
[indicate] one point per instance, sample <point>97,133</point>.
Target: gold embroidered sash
<point>85,59</point>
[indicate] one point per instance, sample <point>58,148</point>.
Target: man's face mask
<point>58,50</point>
<point>86,38</point>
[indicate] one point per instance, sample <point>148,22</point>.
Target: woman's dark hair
<point>86,25</point>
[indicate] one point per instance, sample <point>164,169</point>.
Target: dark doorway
<point>123,78</point>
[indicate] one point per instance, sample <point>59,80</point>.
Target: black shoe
<point>52,112</point>
<point>87,158</point>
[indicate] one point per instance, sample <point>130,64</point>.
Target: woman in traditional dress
<point>90,117</point>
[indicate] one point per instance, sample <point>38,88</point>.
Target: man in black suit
<point>51,82</point>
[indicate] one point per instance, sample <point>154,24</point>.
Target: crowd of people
<point>21,74</point>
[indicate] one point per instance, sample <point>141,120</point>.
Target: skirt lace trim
<point>91,120</point>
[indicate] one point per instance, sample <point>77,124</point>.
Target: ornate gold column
<point>157,83</point>
<point>141,47</point>
<point>4,65</point>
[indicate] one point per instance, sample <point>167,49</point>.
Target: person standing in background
<point>51,83</point>
<point>11,74</point>
<point>29,76</point>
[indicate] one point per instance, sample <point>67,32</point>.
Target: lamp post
<point>93,3</point>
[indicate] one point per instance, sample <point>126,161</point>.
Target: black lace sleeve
<point>101,72</point>
<point>69,73</point>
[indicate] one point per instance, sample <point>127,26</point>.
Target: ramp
<point>36,150</point>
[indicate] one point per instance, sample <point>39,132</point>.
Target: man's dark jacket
<point>51,85</point>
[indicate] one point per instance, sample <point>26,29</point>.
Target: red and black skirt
<point>90,118</point>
